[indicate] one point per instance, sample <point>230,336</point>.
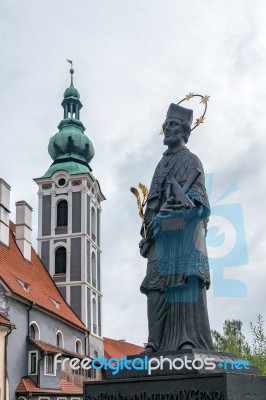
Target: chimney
<point>4,212</point>
<point>23,228</point>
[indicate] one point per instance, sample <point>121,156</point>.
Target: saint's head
<point>177,126</point>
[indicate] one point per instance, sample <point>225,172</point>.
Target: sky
<point>131,60</point>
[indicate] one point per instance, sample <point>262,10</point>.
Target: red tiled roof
<point>120,348</point>
<point>4,321</point>
<point>26,385</point>
<point>41,288</point>
<point>49,348</point>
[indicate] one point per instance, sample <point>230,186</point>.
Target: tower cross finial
<point>71,70</point>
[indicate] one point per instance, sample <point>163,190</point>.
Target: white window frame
<point>37,330</point>
<point>62,198</point>
<point>75,398</point>
<point>45,365</point>
<point>78,341</point>
<point>44,398</point>
<point>61,398</point>
<point>62,338</point>
<point>29,362</point>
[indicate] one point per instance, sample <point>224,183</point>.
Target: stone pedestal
<point>229,380</point>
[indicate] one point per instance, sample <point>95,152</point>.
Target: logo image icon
<point>226,241</point>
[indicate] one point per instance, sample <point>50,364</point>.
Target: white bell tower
<point>69,235</point>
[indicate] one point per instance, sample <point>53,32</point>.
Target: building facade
<point>50,303</point>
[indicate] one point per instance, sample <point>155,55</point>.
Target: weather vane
<point>71,70</point>
<point>204,100</point>
<point>70,62</point>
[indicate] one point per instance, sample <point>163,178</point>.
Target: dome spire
<point>70,148</point>
<point>71,72</point>
<point>71,92</point>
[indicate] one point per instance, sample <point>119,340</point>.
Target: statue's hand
<point>170,205</point>
<point>144,246</point>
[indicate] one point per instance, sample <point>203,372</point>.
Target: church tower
<point>69,219</point>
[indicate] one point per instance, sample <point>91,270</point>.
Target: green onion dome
<point>71,141</point>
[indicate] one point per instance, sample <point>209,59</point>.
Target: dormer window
<point>24,285</point>
<point>55,303</point>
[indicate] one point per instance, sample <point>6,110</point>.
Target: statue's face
<point>173,131</point>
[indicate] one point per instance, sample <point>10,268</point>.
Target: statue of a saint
<point>174,243</point>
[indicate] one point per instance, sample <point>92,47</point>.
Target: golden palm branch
<point>145,192</point>
<point>141,203</point>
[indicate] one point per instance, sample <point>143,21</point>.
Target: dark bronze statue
<point>175,222</point>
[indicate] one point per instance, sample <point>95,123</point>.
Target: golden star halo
<point>199,120</point>
<point>205,99</point>
<point>189,96</point>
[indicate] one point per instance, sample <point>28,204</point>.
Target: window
<point>49,364</point>
<point>24,285</point>
<point>61,182</point>
<point>59,339</point>
<point>62,213</point>
<point>78,346</point>
<point>34,331</point>
<point>32,362</point>
<point>55,303</point>
<point>60,260</point>
<point>93,268</point>
<point>94,315</point>
<point>93,224</point>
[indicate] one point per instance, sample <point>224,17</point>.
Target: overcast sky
<point>132,59</point>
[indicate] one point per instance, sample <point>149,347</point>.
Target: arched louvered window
<point>94,315</point>
<point>93,268</point>
<point>93,224</point>
<point>62,213</point>
<point>60,260</point>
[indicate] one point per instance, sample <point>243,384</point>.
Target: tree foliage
<point>232,340</point>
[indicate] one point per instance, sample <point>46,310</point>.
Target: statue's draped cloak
<point>178,268</point>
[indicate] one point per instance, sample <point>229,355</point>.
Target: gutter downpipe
<point>86,340</point>
<point>43,353</point>
<point>32,303</point>
<point>6,373</point>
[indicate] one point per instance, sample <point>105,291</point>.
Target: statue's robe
<point>178,270</point>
